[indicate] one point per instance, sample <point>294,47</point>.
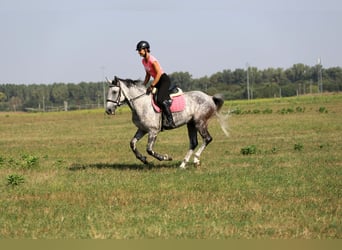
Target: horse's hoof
<point>167,158</point>
<point>144,160</point>
<point>182,166</point>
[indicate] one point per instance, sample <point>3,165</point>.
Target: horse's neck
<point>136,98</point>
<point>142,106</point>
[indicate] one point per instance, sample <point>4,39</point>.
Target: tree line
<point>245,83</point>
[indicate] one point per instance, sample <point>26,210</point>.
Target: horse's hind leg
<point>138,135</point>
<point>152,137</point>
<point>192,133</point>
<point>206,140</point>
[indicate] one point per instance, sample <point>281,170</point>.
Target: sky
<point>70,41</point>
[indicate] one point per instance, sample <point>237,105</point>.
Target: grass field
<point>72,175</point>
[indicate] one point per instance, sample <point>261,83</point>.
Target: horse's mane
<point>130,82</point>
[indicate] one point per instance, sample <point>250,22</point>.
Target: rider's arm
<point>147,78</point>
<point>157,68</point>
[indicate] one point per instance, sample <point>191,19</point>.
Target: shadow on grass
<point>123,166</point>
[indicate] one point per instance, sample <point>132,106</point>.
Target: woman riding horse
<point>161,80</point>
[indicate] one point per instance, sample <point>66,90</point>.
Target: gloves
<point>148,90</point>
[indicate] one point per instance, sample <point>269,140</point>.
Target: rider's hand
<point>148,90</point>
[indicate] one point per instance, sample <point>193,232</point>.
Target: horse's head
<point>114,97</point>
<point>123,90</point>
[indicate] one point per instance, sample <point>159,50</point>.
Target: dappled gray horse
<point>199,108</point>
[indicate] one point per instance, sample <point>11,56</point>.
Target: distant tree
<point>268,75</point>
<point>255,75</point>
<point>227,76</point>
<point>296,72</point>
<point>181,79</point>
<point>288,90</point>
<point>239,76</point>
<point>217,78</point>
<point>75,93</point>
<point>59,93</point>
<point>15,103</point>
<point>334,74</point>
<point>270,82</point>
<point>3,97</point>
<point>201,84</point>
<point>280,77</point>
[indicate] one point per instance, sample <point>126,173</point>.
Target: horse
<point>199,108</point>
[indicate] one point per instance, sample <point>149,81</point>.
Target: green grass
<point>74,176</point>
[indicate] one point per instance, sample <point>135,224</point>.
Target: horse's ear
<point>115,80</point>
<point>109,82</point>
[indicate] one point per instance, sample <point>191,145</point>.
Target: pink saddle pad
<point>178,104</point>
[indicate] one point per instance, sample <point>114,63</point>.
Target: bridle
<point>117,101</point>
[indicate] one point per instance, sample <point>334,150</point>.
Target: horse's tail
<point>218,100</point>
<point>222,118</point>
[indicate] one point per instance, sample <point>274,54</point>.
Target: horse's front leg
<point>138,135</point>
<point>152,137</point>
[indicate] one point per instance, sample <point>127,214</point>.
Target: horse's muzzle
<point>110,111</point>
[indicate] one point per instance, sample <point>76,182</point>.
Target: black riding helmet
<point>143,45</point>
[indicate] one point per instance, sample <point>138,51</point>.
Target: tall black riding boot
<point>168,114</point>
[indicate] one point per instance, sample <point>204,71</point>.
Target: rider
<point>161,80</point>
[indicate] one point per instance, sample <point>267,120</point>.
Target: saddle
<point>177,100</point>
